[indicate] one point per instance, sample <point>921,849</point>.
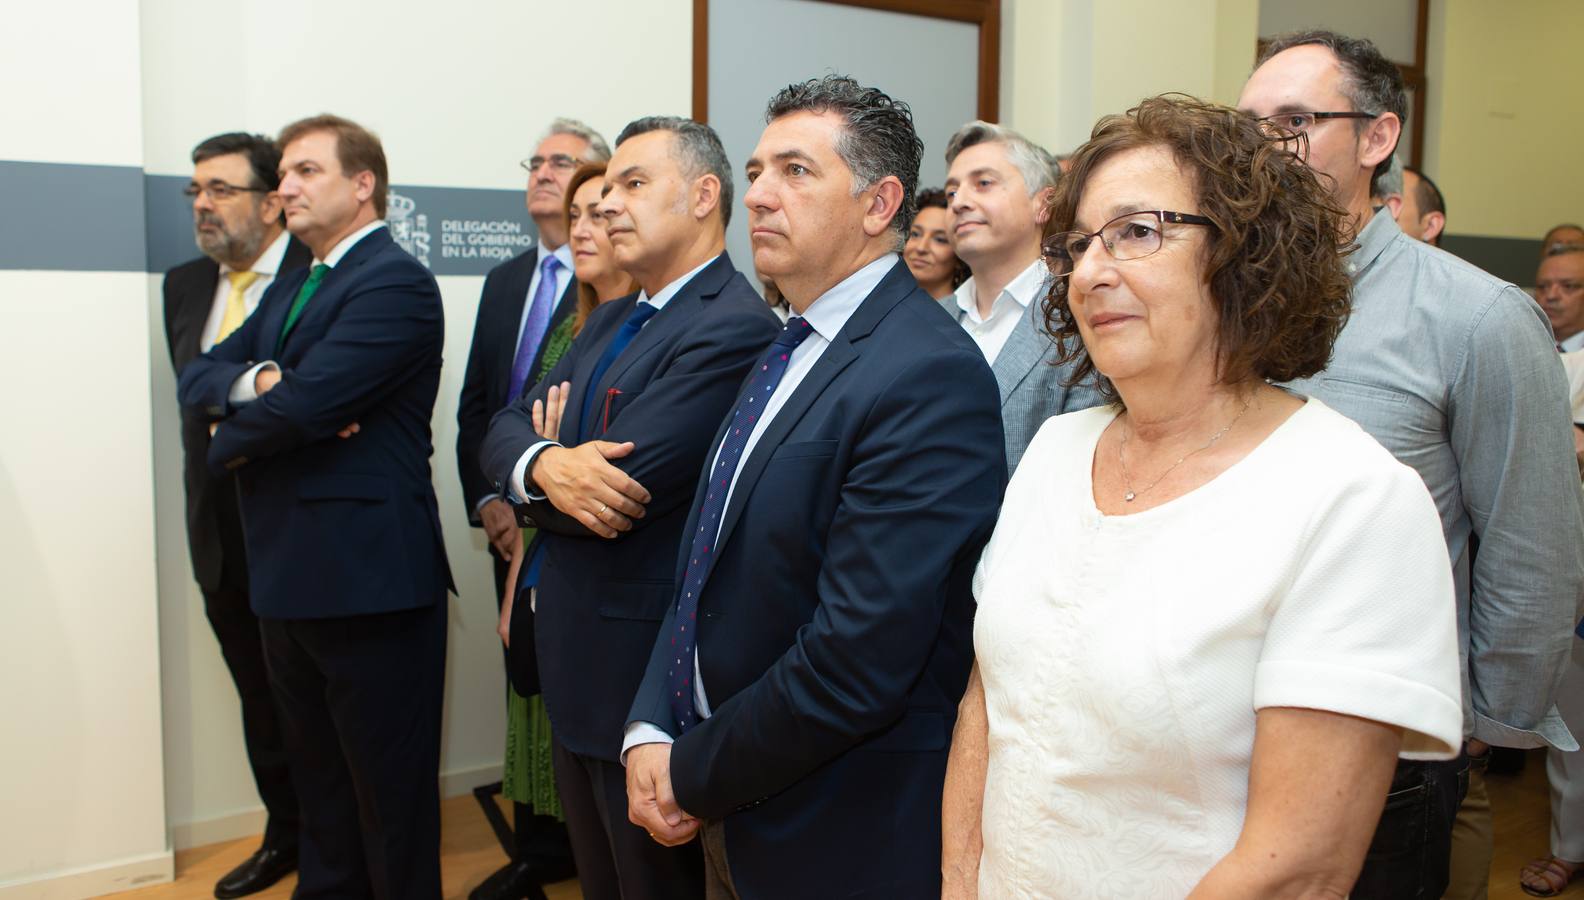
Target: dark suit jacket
<point>600,601</point>
<point>489,365</point>
<point>336,527</point>
<point>835,628</point>
<point>212,529</point>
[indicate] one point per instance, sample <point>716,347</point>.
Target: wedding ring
<point>601,513</point>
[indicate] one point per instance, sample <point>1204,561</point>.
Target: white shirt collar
<point>658,301</point>
<point>347,243</point>
<point>829,312</point>
<point>1023,290</point>
<point>269,262</point>
<point>562,253</point>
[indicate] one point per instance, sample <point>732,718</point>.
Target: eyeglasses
<point>559,161</point>
<point>1132,235</point>
<point>1288,125</point>
<point>219,191</point>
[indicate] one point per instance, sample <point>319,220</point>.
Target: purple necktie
<point>534,329</point>
<point>761,386</point>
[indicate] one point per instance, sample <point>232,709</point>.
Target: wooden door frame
<point>985,14</point>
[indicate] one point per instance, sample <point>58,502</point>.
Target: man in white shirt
<point>238,226</point>
<point>998,192</point>
<point>1559,287</point>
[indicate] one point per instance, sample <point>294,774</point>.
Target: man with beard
<point>237,223</point>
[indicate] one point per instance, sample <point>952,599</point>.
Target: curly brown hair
<point>1274,256</point>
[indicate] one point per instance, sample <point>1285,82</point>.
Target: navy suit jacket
<point>600,601</point>
<point>835,627</point>
<point>213,535</point>
<point>335,527</point>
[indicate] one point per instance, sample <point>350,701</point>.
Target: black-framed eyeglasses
<point>219,191</point>
<point>1133,235</point>
<point>558,161</point>
<point>1289,125</point>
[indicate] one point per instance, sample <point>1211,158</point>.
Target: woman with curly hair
<point>1204,632</point>
<point>928,251</point>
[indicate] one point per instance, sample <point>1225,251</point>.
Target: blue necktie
<point>761,386</point>
<point>641,313</point>
<point>534,329</point>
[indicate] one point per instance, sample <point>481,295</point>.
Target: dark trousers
<point>617,860</point>
<point>537,838</point>
<point>237,630</point>
<point>1411,853</point>
<point>360,700</point>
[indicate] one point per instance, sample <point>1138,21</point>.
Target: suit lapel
<point>572,419</point>
<point>673,318</point>
<point>192,312</point>
<point>327,298</point>
<point>841,353</point>
<point>1021,353</point>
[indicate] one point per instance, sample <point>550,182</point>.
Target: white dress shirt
<point>827,315</point>
<point>1573,343</point>
<point>991,332</point>
<point>519,473</point>
<point>243,390</point>
<point>267,265</point>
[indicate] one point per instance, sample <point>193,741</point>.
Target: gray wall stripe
<point>117,219</point>
<point>71,217</point>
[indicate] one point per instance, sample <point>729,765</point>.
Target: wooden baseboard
<point>247,822</point>
<point>93,881</point>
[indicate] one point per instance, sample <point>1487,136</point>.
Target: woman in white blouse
<point>1213,613</point>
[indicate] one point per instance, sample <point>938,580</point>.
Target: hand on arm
<point>1317,785</point>
<point>651,805</point>
<point>962,806</point>
<point>580,482</point>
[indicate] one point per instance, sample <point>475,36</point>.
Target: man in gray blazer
<point>998,192</point>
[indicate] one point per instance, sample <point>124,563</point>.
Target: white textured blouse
<point>1124,657</point>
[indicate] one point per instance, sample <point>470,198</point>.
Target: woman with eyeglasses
<point>1204,632</point>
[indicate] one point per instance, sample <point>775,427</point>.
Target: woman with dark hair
<point>1204,631</point>
<point>928,251</point>
<point>529,777</point>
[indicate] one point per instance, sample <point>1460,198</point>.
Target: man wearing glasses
<point>1454,371</point>
<point>238,226</point>
<point>522,302</point>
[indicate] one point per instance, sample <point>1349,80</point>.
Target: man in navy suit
<point>650,377</point>
<point>323,399</point>
<point>798,705</point>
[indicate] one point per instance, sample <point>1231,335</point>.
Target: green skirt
<point>529,777</point>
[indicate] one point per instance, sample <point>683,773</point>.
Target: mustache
<point>208,218</point>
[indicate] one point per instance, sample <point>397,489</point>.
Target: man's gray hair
<point>697,147</point>
<point>877,137</point>
<point>1564,249</point>
<point>598,150</point>
<point>1391,181</point>
<point>1037,166</point>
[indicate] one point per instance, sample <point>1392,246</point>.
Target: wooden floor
<point>469,852</point>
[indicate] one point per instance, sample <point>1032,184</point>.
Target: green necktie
<point>315,276</point>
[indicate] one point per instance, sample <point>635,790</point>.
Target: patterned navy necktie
<point>641,313</point>
<point>761,386</point>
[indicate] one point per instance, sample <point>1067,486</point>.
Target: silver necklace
<point>1127,480</point>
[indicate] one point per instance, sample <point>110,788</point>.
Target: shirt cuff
<point>478,507</point>
<point>520,472</point>
<point>639,733</point>
<point>243,390</point>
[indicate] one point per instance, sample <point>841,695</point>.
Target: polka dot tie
<point>761,385</point>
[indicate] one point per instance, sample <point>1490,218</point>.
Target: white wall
<point>80,767</point>
<point>458,95</point>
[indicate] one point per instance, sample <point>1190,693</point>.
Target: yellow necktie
<point>236,307</point>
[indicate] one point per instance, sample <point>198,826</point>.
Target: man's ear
<point>365,185</point>
<point>884,206</point>
<point>1434,224</point>
<point>706,195</point>
<point>269,209</point>
<point>1380,139</point>
<point>1393,204</point>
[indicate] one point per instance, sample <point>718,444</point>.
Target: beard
<point>222,245</point>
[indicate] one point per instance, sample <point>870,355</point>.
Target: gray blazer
<point>1032,388</point>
